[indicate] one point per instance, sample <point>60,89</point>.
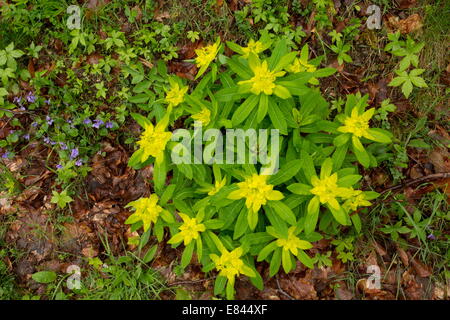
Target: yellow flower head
<point>293,243</point>
<point>230,264</point>
<point>189,230</point>
<point>203,116</point>
<point>300,65</point>
<point>356,200</point>
<point>256,191</point>
<point>253,46</point>
<point>327,190</point>
<point>153,142</point>
<point>358,125</point>
<point>206,54</point>
<point>175,95</point>
<point>263,79</point>
<point>217,186</point>
<point>147,211</point>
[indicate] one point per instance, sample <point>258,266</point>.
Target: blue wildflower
<point>97,123</point>
<point>49,120</point>
<point>74,153</point>
<point>31,98</point>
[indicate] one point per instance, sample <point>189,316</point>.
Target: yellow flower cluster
<point>217,186</point>
<point>326,189</point>
<point>230,264</point>
<point>206,54</point>
<point>175,95</point>
<point>300,65</point>
<point>254,47</point>
<point>203,116</point>
<point>189,230</point>
<point>256,191</point>
<point>153,142</point>
<point>147,211</point>
<point>356,200</point>
<point>293,243</point>
<point>358,125</point>
<point>263,79</point>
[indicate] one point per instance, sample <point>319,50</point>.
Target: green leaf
<point>239,69</point>
<point>263,107</point>
<point>305,259</point>
<point>288,171</point>
<point>349,181</point>
<point>380,135</point>
<point>419,82</point>
<point>307,165</point>
<point>418,143</point>
<point>339,156</point>
<point>312,215</point>
<point>219,284</point>
<point>275,262</point>
<point>356,222</point>
<point>281,92</point>
<point>264,253</point>
<point>276,221</point>
<point>286,260</point>
<point>279,51</point>
<point>325,72</point>
<point>241,224</point>
<point>44,276</point>
<point>252,219</point>
<point>283,211</point>
<point>362,155</point>
<point>187,254</point>
<point>407,88</point>
<point>150,254</point>
<point>340,215</point>
<point>141,120</point>
<point>243,111</point>
<point>300,188</point>
<point>228,94</point>
<point>397,81</point>
<point>135,158</point>
<point>159,174</point>
<point>277,118</point>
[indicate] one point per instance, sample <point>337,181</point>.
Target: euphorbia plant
<point>231,215</point>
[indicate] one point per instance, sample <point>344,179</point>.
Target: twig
<point>189,282</point>
<point>282,291</point>
<point>16,112</point>
<point>431,177</point>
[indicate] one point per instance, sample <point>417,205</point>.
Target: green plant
<point>61,199</point>
<point>193,35</point>
<point>409,50</point>
<point>344,248</point>
<point>408,80</point>
<point>234,214</point>
<point>341,49</point>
